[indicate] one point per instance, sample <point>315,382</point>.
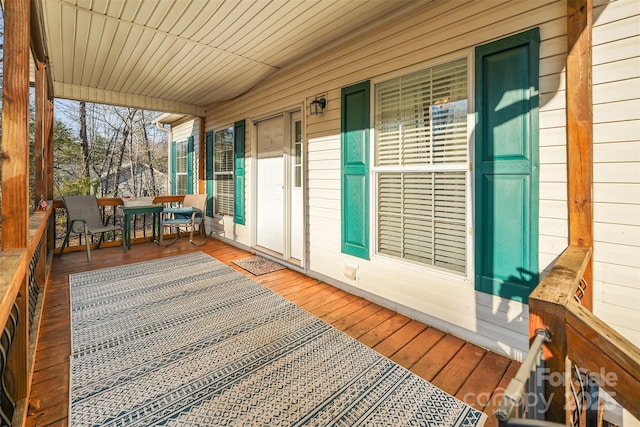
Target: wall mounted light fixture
<point>318,105</point>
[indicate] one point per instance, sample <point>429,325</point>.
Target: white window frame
<point>178,146</point>
<point>464,278</point>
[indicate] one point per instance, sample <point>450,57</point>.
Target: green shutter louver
<point>238,156</point>
<point>190,165</point>
<point>354,155</point>
<point>507,165</point>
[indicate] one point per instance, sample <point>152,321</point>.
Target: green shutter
<point>238,187</point>
<point>208,171</point>
<point>354,155</point>
<point>506,171</point>
<point>174,180</point>
<point>190,165</point>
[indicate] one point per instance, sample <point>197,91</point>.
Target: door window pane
<point>298,154</point>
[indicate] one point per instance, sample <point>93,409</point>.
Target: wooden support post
<point>15,181</point>
<point>40,149</point>
<point>49,151</point>
<point>15,125</point>
<point>51,230</point>
<point>580,131</point>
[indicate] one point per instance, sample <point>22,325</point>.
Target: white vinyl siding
<point>616,165</point>
<point>421,126</point>
<point>223,171</point>
<point>440,29</point>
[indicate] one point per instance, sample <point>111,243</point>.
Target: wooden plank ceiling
<point>183,55</point>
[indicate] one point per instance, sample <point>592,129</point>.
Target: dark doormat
<point>257,265</point>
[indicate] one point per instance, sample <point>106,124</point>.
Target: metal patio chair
<point>188,216</point>
<point>84,217</point>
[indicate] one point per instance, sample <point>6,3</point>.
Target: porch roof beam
<point>102,96</point>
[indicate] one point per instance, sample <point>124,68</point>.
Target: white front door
<point>270,184</point>
<point>279,186</point>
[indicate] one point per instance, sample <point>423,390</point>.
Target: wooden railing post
<point>548,310</point>
<point>549,317</point>
<point>583,353</point>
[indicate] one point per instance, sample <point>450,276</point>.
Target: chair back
<point>195,201</point>
<point>83,208</point>
<point>191,213</point>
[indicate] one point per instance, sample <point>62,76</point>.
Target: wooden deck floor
<point>464,370</point>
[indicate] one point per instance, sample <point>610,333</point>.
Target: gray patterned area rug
<point>188,341</point>
<point>257,265</point>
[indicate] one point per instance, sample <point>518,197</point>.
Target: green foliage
<point>66,149</point>
<point>76,187</point>
<point>121,152</point>
<point>67,164</point>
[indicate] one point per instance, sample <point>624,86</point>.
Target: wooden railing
<point>140,232</point>
<point>23,277</point>
<point>582,352</point>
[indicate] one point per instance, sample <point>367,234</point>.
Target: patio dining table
<point>129,211</point>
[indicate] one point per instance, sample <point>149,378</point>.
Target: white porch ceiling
<point>183,55</point>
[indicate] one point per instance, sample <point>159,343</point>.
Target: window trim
<point>432,270</point>
<point>189,141</point>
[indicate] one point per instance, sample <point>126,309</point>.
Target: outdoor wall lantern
<point>317,105</point>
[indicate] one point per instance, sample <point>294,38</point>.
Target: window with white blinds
<point>421,166</point>
<point>223,170</point>
<point>181,168</point>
